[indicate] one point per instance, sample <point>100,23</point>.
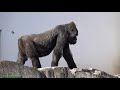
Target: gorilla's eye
<point>72,30</point>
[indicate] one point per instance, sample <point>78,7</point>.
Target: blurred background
<point>98,44</point>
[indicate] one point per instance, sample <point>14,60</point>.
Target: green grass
<point>10,75</point>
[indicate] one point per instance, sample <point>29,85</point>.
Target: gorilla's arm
<point>58,50</point>
<point>69,58</point>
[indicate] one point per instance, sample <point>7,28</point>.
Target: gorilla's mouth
<point>73,40</point>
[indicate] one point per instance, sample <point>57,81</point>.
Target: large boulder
<point>64,72</point>
<point>10,69</point>
<point>56,72</point>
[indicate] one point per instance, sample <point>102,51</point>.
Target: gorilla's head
<point>72,33</point>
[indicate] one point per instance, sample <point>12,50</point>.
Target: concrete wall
<point>98,40</point>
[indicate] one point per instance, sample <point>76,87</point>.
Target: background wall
<point>0,44</point>
<point>98,44</point>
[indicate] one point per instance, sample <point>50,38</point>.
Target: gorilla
<point>57,40</point>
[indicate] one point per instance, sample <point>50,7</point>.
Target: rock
<point>64,72</point>
<point>90,73</point>
<point>118,75</point>
<point>56,72</point>
<point>47,71</point>
<point>10,69</point>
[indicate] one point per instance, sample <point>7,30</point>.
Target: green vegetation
<point>10,75</point>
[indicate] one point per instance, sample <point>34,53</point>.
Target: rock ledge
<point>10,69</point>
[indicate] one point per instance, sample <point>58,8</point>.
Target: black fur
<point>39,45</point>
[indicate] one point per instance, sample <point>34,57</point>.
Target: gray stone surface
<point>90,73</point>
<point>10,69</point>
<point>57,72</point>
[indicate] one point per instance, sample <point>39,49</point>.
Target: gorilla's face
<point>73,33</point>
<point>73,40</point>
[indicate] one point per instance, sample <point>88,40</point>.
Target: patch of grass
<point>10,75</point>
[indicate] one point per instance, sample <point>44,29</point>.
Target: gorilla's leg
<point>32,53</point>
<point>21,58</point>
<point>69,59</point>
<point>35,62</point>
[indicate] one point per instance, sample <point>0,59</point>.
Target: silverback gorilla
<point>38,45</point>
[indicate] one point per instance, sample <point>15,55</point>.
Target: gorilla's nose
<point>76,34</point>
<point>75,38</point>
